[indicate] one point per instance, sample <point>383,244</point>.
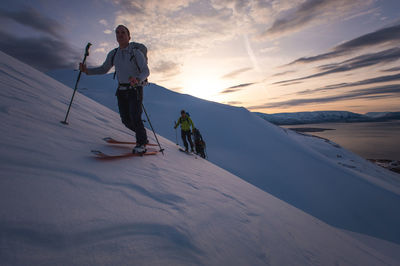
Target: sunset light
<point>280,57</point>
<point>200,132</point>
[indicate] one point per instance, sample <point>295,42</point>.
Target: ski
<point>182,150</point>
<point>114,141</point>
<point>188,153</point>
<point>104,156</point>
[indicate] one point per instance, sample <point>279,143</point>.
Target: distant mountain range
<point>327,117</point>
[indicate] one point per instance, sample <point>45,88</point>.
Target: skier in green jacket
<point>186,133</point>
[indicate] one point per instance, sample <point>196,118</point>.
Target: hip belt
<point>127,86</point>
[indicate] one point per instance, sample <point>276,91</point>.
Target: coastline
<point>392,165</point>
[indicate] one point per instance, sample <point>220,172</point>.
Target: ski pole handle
<point>87,51</point>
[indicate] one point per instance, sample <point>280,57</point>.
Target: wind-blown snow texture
<point>60,206</point>
<point>314,175</point>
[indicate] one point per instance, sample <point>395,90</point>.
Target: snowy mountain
<point>383,116</point>
<point>60,206</point>
<point>326,117</point>
<point>309,173</point>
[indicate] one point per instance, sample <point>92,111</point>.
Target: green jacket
<point>185,123</point>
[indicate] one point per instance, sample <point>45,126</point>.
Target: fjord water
<point>371,140</point>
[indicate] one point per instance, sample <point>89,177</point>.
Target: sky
<point>267,56</point>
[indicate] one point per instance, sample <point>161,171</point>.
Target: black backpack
<point>197,136</point>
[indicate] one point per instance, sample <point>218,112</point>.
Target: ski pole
<point>76,84</point>
<point>176,134</point>
<point>148,119</point>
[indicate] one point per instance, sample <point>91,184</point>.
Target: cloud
<point>100,50</point>
<point>366,60</point>
<point>174,29</point>
<point>166,68</point>
<point>370,81</point>
<point>292,83</point>
<point>234,103</point>
<point>144,8</point>
<point>309,12</point>
<point>103,22</point>
<point>237,72</point>
<point>393,69</point>
<point>388,35</point>
<point>47,50</point>
<point>229,91</point>
<point>43,53</point>
<point>388,91</point>
<point>31,18</point>
<point>236,88</point>
<point>283,73</point>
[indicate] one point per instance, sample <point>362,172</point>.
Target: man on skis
<point>186,123</point>
<point>132,72</point>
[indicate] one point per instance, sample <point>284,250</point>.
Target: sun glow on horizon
<point>203,79</point>
<point>205,88</point>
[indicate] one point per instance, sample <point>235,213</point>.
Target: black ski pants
<point>187,135</point>
<point>130,110</point>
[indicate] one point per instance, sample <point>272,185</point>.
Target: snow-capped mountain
<point>326,117</point>
<point>60,206</point>
<point>382,116</point>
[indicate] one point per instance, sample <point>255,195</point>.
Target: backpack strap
<point>145,82</point>
<point>112,60</point>
<point>133,57</point>
<point>113,56</point>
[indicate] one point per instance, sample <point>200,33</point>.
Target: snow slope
<point>60,206</point>
<point>314,175</point>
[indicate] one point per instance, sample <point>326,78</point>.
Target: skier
<point>199,143</point>
<point>185,122</point>
<point>132,72</point>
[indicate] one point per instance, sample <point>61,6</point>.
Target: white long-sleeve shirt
<point>124,66</point>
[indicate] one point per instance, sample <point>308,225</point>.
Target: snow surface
<point>60,206</point>
<point>314,175</point>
